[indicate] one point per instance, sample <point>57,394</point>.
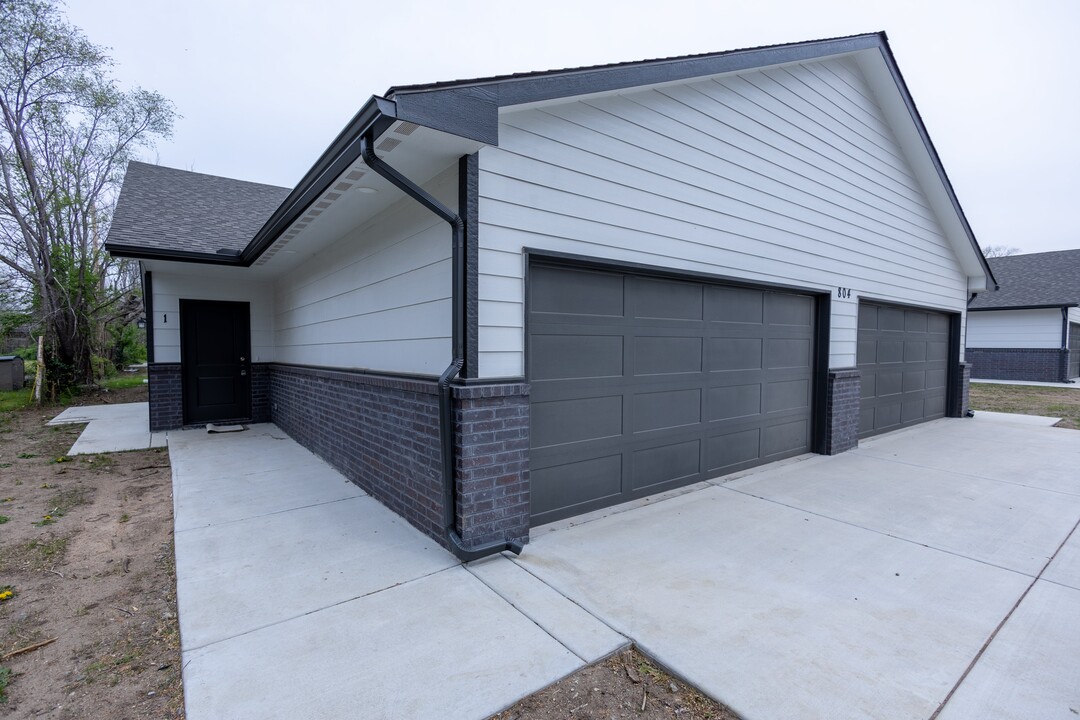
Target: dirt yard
<point>86,567</point>
<point>626,685</point>
<point>1029,400</point>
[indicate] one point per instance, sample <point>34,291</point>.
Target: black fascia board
<point>146,253</point>
<point>916,117</point>
<point>374,117</point>
<point>1024,307</point>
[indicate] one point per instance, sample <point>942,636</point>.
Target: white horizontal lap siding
<point>215,284</point>
<point>377,299</point>
<point>785,176</point>
<point>1014,329</point>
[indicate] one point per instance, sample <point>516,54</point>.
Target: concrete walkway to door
<point>932,569</point>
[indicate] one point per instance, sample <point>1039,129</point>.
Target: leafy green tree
<point>67,131</point>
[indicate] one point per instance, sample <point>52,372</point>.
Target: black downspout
<point>446,413</point>
<point>1064,369</point>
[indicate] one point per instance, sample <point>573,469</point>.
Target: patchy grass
<point>5,678</point>
<point>64,501</point>
<point>124,381</point>
<point>35,555</point>
<point>1029,400</point>
<point>15,399</point>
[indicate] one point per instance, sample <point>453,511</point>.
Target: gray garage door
<point>642,384</point>
<point>1074,350</point>
<point>903,358</point>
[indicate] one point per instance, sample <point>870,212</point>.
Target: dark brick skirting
<point>382,432</point>
<point>166,396</point>
<point>960,388</point>
<point>1042,365</point>
<point>492,446</point>
<point>842,410</point>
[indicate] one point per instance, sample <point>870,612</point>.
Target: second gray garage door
<point>903,360</point>
<point>641,384</point>
<point>1074,350</point>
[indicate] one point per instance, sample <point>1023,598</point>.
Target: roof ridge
<point>158,166</point>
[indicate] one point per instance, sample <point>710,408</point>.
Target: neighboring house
<point>615,281</point>
<point>1029,329</point>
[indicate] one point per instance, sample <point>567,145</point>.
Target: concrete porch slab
<point>442,646</point>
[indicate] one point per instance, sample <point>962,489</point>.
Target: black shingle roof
<point>1049,279</point>
<point>168,209</point>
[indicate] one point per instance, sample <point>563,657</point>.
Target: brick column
<point>260,392</point>
<point>842,410</point>
<point>961,384</point>
<point>492,446</point>
<point>166,396</point>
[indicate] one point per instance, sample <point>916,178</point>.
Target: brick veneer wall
<point>166,396</point>
<point>260,392</point>
<point>492,447</point>
<point>960,387</point>
<point>382,432</point>
<point>842,410</point>
<point>1042,365</point>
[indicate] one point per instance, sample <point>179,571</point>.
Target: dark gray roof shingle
<point>1034,280</point>
<point>167,209</point>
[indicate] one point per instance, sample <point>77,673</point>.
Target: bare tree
<point>66,133</point>
<point>993,251</point>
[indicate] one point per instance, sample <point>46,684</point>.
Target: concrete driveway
<point>933,572</point>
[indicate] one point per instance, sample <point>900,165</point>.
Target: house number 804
<point>843,293</point>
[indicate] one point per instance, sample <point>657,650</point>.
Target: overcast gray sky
<point>265,85</point>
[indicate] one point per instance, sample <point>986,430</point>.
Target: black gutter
<point>148,312</point>
<point>1025,307</point>
<point>446,411</point>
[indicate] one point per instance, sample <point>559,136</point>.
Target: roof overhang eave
<point>377,114</point>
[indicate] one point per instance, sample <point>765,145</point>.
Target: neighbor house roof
<point>166,210</point>
<point>470,109</point>
<point>1049,279</point>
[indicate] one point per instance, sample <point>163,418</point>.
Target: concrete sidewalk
<point>111,428</point>
<point>857,586</point>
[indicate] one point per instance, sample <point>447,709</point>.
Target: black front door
<point>215,351</point>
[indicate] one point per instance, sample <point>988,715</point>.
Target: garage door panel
<point>727,305</point>
<point>787,439</point>
<point>726,354</point>
<point>668,409</point>
<point>576,420</point>
<point>665,464</point>
<point>666,299</point>
<point>1074,350</point>
<point>914,351</point>
<point>789,395</point>
<point>914,380</point>
<point>712,379</point>
<point>564,357</point>
<point>734,401</point>
<point>733,451</point>
<point>558,488</point>
<point>667,355</point>
<point>788,353</point>
<point>784,309</point>
<point>570,292</point>
<point>903,361</point>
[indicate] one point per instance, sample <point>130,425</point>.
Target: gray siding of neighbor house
<point>788,175</point>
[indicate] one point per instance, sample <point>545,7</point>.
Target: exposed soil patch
<point>1029,400</point>
<point>626,685</point>
<point>86,550</point>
